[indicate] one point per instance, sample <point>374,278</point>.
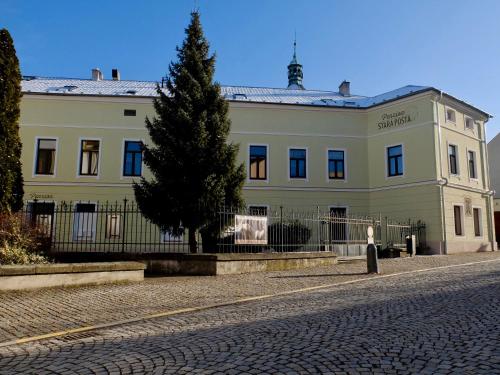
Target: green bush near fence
<point>19,242</point>
<point>288,236</point>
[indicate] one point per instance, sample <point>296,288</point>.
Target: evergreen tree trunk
<point>193,244</point>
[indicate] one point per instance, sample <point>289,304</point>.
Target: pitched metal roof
<point>72,86</point>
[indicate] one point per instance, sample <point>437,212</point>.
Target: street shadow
<point>322,275</point>
<point>305,333</point>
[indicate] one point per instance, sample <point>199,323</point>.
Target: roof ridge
<point>278,88</point>
<point>147,81</point>
<point>85,79</point>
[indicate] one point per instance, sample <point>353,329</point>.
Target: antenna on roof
<point>164,81</point>
<point>295,44</point>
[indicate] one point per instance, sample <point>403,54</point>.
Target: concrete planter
<point>68,274</point>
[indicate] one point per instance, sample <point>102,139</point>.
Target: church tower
<point>295,71</point>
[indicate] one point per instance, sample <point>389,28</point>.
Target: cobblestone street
<point>432,322</point>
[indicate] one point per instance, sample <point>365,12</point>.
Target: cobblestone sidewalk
<point>38,312</point>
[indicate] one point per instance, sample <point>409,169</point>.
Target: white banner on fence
<point>250,230</point>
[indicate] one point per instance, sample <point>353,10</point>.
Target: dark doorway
<point>497,226</point>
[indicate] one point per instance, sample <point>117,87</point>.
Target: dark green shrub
<point>294,235</point>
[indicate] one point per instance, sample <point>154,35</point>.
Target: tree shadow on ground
<point>399,323</point>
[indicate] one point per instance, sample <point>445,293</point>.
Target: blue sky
<point>377,45</point>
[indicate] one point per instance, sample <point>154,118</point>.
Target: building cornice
<point>90,98</point>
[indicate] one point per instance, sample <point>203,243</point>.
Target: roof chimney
<point>344,88</point>
<point>97,74</point>
<point>115,73</point>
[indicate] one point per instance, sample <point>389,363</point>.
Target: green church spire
<point>295,71</point>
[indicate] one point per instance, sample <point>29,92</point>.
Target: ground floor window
<point>113,225</point>
<point>338,224</point>
<point>168,237</point>
<point>476,213</point>
<point>85,222</point>
<point>41,215</point>
<point>257,210</point>
<point>457,211</point>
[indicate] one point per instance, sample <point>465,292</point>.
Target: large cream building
<point>413,152</point>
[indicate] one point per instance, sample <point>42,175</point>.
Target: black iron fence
<point>101,227</point>
<point>285,230</point>
<point>120,227</point>
<point>397,233</point>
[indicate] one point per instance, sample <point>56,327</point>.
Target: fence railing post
<point>386,231</point>
<point>281,228</point>
<point>319,228</point>
<point>380,228</point>
<point>124,223</point>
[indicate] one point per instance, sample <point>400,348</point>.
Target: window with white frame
<point>85,222</point>
<point>45,156</point>
<point>469,123</point>
<point>451,115</point>
<point>452,156</point>
<point>297,159</point>
<point>336,167</point>
<point>258,162</point>
<point>476,215</point>
<point>458,216</point>
<point>132,159</point>
<point>471,155</point>
<point>41,216</point>
<point>395,161</point>
<point>113,226</point>
<point>89,157</point>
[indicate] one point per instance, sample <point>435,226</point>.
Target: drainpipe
<point>442,180</point>
<point>486,186</point>
<point>489,211</point>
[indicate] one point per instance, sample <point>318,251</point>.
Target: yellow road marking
<point>233,302</point>
<point>53,334</point>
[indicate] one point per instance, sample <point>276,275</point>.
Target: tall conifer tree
<point>193,165</point>
<point>11,178</point>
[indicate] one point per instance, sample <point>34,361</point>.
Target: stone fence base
<point>226,264</point>
<point>68,274</point>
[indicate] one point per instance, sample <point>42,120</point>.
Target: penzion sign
<point>399,118</point>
